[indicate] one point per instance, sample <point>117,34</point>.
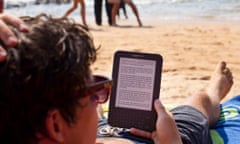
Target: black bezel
<point>131,116</point>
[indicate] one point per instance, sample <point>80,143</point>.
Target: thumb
<point>166,129</point>
<point>160,109</point>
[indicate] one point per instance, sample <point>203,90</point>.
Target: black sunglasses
<point>100,89</point>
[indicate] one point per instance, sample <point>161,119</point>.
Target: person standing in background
<point>122,6</point>
<point>1,6</point>
<point>116,5</point>
<point>82,12</point>
<point>98,11</point>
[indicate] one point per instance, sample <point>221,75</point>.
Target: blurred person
<point>116,5</point>
<point>122,6</point>
<point>98,11</point>
<point>82,11</point>
<point>1,6</point>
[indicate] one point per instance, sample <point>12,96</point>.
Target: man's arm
<point>6,35</point>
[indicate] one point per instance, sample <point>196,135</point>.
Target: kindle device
<point>136,84</point>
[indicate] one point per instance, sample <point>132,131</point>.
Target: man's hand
<point>166,129</point>
<point>6,35</point>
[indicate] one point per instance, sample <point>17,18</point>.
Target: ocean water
<point>157,10</point>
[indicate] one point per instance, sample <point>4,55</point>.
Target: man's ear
<point>54,126</point>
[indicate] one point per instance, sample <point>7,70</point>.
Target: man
<point>98,11</point>
<point>48,95</point>
<point>45,97</point>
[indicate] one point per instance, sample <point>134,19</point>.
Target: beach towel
<point>227,129</point>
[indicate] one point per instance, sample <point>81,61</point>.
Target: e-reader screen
<point>136,83</point>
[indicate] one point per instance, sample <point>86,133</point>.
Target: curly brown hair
<point>47,70</point>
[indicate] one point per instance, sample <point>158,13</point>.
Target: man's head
<point>43,82</point>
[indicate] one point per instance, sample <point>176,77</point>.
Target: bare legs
<point>133,7</point>
<point>135,11</point>
<point>114,13</point>
<point>82,12</point>
<point>208,102</point>
<point>1,6</point>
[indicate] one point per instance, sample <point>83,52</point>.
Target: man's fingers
<point>14,21</point>
<point>6,35</point>
<point>3,54</point>
<point>141,133</point>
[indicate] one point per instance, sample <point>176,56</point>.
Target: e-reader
<point>136,84</point>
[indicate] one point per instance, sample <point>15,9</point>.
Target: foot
<point>84,22</point>
<point>139,23</point>
<point>114,24</point>
<point>109,22</point>
<point>63,17</point>
<point>99,24</point>
<point>221,81</point>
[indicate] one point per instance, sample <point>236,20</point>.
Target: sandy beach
<point>190,51</point>
<point>191,35</point>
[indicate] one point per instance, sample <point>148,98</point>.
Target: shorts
<point>192,125</point>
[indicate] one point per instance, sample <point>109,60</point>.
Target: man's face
<point>84,130</point>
